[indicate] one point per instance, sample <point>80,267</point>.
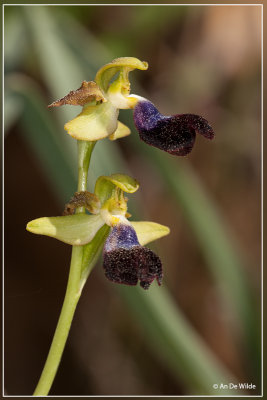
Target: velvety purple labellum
<point>127,262</point>
<point>175,134</point>
<point>122,236</point>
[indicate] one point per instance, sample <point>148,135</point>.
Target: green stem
<point>62,330</point>
<point>73,291</point>
<point>84,156</point>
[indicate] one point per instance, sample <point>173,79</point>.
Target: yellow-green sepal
<point>95,122</point>
<point>121,131</point>
<point>71,229</point>
<point>106,184</point>
<point>122,65</point>
<point>149,231</point>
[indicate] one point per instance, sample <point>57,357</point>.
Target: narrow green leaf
<point>218,245</point>
<point>61,69</point>
<point>15,45</point>
<point>13,109</point>
<point>171,336</point>
<point>57,164</point>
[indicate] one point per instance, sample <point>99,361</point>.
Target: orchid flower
<point>125,259</point>
<point>103,98</point>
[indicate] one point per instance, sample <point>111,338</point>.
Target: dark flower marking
<point>82,199</point>
<point>175,134</point>
<point>127,262</point>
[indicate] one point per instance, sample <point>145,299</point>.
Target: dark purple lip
<point>127,262</point>
<point>174,134</point>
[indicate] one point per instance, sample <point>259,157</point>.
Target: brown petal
<point>88,92</point>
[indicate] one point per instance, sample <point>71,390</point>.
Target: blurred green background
<point>203,326</point>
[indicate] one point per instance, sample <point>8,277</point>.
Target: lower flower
<point>127,262</point>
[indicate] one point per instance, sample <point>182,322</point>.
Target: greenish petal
<point>105,184</point>
<point>94,122</point>
<point>122,64</point>
<point>121,131</point>
<point>71,229</point>
<point>149,231</point>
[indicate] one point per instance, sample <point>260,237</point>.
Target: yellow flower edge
<point>94,122</point>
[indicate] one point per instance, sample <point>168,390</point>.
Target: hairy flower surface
<point>127,262</point>
<point>175,134</point>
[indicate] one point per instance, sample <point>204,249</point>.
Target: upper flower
<point>103,98</point>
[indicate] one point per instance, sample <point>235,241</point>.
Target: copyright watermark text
<point>234,386</point>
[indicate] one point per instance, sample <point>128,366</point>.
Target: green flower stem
<point>84,156</point>
<point>62,330</point>
<point>73,291</point>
